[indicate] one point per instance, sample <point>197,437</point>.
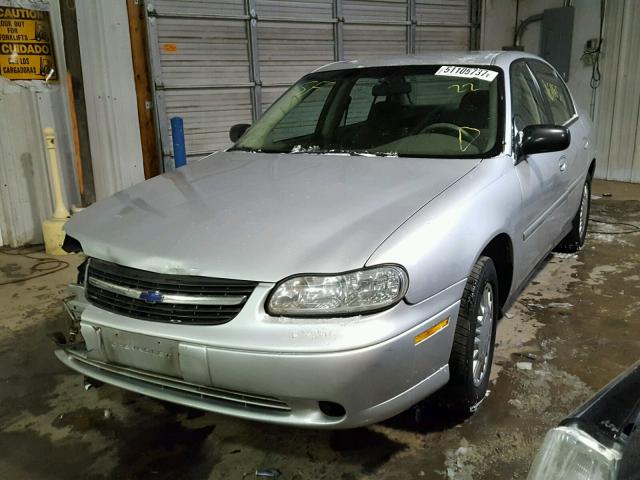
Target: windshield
<point>426,111</point>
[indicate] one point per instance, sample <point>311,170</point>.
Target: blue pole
<point>177,135</point>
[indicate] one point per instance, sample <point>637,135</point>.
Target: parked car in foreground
<point>600,440</point>
<point>352,252</point>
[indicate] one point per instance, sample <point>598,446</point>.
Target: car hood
<point>262,217</point>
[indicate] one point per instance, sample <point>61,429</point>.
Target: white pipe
<point>60,210</point>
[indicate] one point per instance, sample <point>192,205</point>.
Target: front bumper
<point>371,382</point>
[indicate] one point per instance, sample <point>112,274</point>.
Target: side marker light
<point>431,331</point>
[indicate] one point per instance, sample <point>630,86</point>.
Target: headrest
<point>475,101</point>
<point>391,86</point>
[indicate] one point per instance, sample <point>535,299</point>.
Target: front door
<point>560,106</point>
<point>538,174</point>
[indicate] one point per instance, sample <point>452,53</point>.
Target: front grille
<point>107,281</point>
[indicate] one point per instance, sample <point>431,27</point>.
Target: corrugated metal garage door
<point>220,62</point>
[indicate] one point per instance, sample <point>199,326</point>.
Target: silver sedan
<point>350,255</point>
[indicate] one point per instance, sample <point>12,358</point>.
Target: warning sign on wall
<point>26,50</point>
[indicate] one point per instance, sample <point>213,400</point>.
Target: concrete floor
<point>577,325</point>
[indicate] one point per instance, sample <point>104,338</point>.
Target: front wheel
<point>474,340</point>
<point>575,238</point>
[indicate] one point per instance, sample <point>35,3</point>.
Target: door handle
<point>562,165</point>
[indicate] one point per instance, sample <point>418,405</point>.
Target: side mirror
<point>543,139</point>
<point>237,131</point>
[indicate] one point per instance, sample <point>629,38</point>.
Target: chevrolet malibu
<point>349,255</point>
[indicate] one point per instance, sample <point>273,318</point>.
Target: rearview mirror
<point>543,139</point>
<point>237,131</point>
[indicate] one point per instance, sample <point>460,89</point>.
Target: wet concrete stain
<point>11,270</point>
<point>155,449</point>
<point>27,455</point>
<point>364,444</point>
<point>145,442</point>
<point>576,325</point>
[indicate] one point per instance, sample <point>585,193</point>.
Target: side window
<point>526,104</point>
<point>555,92</point>
<point>303,119</point>
<point>361,101</point>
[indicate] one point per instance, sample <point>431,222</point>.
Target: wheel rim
<point>483,334</point>
<point>583,210</point>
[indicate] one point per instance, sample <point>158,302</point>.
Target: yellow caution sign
<point>26,50</point>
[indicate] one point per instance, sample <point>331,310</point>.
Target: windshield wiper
<point>242,149</point>
<point>365,153</point>
<point>310,152</point>
<point>358,153</point>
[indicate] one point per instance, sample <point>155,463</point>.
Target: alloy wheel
<point>483,335</point>
<point>582,225</point>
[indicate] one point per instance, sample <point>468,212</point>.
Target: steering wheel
<point>450,129</point>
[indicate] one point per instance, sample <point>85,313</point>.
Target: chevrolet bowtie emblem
<point>151,296</point>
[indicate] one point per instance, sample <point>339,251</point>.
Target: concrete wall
<point>498,19</point>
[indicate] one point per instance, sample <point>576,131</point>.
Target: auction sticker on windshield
<point>467,72</point>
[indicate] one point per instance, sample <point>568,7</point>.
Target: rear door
<point>561,108</point>
<point>538,174</point>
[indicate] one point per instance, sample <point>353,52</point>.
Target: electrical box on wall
<point>555,38</point>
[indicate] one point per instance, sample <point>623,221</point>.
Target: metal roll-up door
<point>618,97</point>
<point>220,62</point>
<point>294,37</point>
<point>201,70</point>
<point>375,27</point>
<point>444,25</point>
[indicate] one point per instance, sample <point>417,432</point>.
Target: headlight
<point>569,453</point>
<point>350,293</point>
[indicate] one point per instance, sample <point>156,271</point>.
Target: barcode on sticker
<point>467,72</point>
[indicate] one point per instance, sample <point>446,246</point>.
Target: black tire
<point>465,391</point>
<point>575,238</point>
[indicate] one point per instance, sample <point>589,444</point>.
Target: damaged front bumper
<point>322,389</point>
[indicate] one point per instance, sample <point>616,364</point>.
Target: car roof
<point>497,58</point>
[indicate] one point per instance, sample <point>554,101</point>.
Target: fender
<point>441,242</point>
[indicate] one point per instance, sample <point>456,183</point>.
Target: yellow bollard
<point>53,228</point>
